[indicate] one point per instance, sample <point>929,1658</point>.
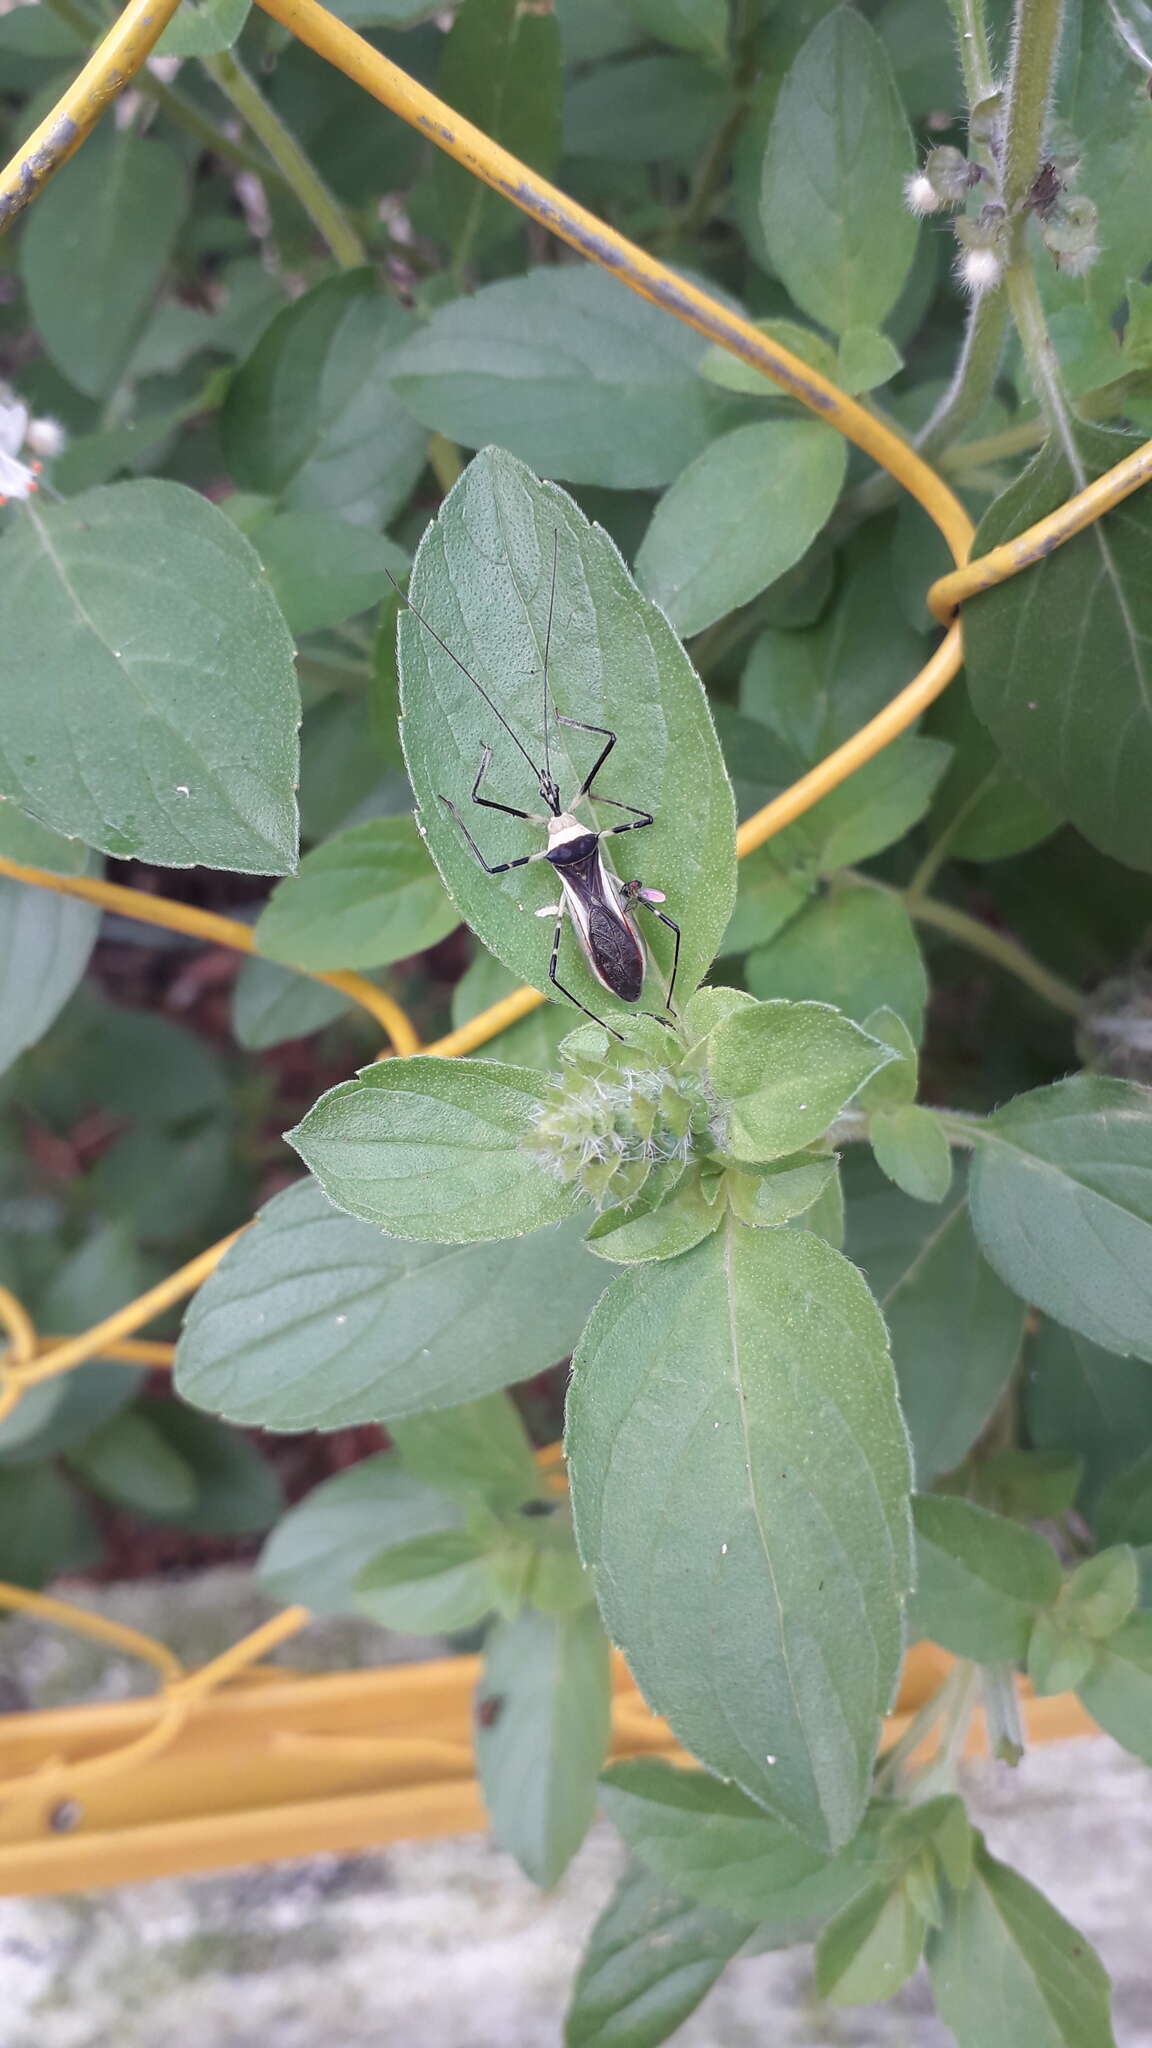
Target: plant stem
<point>1040,356</point>
<point>1101,404</point>
<point>323,210</point>
<point>187,115</point>
<point>995,946</point>
<point>975,55</point>
<point>974,375</point>
<point>1035,47</point>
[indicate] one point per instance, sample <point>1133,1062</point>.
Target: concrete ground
<point>445,1944</point>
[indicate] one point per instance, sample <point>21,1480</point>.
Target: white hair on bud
<point>920,195</point>
<point>1076,262</point>
<point>979,270</point>
<point>46,438</point>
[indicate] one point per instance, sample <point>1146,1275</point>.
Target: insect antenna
<point>494,708</point>
<point>548,646</point>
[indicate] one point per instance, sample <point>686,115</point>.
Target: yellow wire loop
<point>1042,540</point>
<point>218,931</point>
<point>180,1689</point>
<point>107,72</point>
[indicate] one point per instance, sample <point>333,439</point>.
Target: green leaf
<point>128,1461</point>
<point>41,1524</point>
<point>982,810</point>
<point>912,1150</point>
<point>315,1321</point>
<point>738,517</point>
<point>1104,100</point>
<point>783,1071</point>
<point>1061,1196</point>
<point>650,1959</point>
<point>323,570</point>
<point>1028,1485</point>
<point>1059,1658</point>
<point>364,898</point>
<point>95,250</point>
<point>501,70</point>
<point>644,110</point>
<point>432,1585</point>
<point>24,840</point>
<point>871,1948</point>
<point>1123,1507</point>
<point>45,941</point>
<point>855,948</point>
<point>541,1730</point>
<point>439,1150</point>
<point>633,1233</point>
<point>568,371</point>
<point>149,702</point>
<point>956,1330</point>
<point>1118,1689</point>
<point>866,360</point>
<point>878,804</point>
<point>203,28</point>
<point>317,1552</point>
<point>775,1194</point>
<point>533,1042</point>
<point>1057,659</point>
<point>272,1005</point>
<point>483,580</point>
<point>1006,1968</point>
<point>894,1085</point>
<point>832,203</point>
<point>1101,1593</point>
<point>979,1579</point>
<point>711,1843</point>
<point>479,1450</point>
<point>739,1475</point>
<point>698,26</point>
<point>237,1490</point>
<point>1080,1399</point>
<point>312,417</point>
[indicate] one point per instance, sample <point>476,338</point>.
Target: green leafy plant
<point>873,1362</point>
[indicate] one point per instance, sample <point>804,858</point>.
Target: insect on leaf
<point>482,580</point>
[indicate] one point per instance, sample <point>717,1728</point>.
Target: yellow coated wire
<point>28,1360</point>
<point>218,931</point>
<point>107,72</point>
<point>1042,540</point>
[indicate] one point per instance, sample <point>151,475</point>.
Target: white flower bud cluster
<point>610,1129</point>
<point>20,433</point>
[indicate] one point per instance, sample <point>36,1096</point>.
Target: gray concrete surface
<point>444,1944</point>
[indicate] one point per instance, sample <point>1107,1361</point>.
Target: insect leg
<point>502,867</point>
<point>675,930</point>
<point>605,733</point>
<point>489,804</point>
<point>636,824</point>
<point>558,984</point>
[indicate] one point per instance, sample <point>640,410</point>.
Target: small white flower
<point>46,438</point>
<point>19,479</point>
<point>979,270</point>
<point>920,195</point>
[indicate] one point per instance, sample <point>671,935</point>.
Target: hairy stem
<point>1040,356</point>
<point>1035,47</point>
<point>975,55</point>
<point>297,170</point>
<point>974,376</point>
<point>996,946</point>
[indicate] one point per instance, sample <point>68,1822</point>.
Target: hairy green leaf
<point>651,1957</point>
<point>317,1552</point>
<point>45,941</point>
<point>434,1149</point>
<point>541,1730</point>
<point>739,1473</point>
<point>783,1071</point>
<point>147,692</point>
<point>1061,1194</point>
<point>980,1579</point>
<point>364,898</point>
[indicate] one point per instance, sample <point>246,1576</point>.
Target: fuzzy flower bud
<point>46,438</point>
<point>1069,231</point>
<point>608,1126</point>
<point>920,195</point>
<point>983,249</point>
<point>950,175</point>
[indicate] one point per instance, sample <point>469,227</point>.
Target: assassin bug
<point>599,905</point>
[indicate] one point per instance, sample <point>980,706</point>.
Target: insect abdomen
<point>615,954</point>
